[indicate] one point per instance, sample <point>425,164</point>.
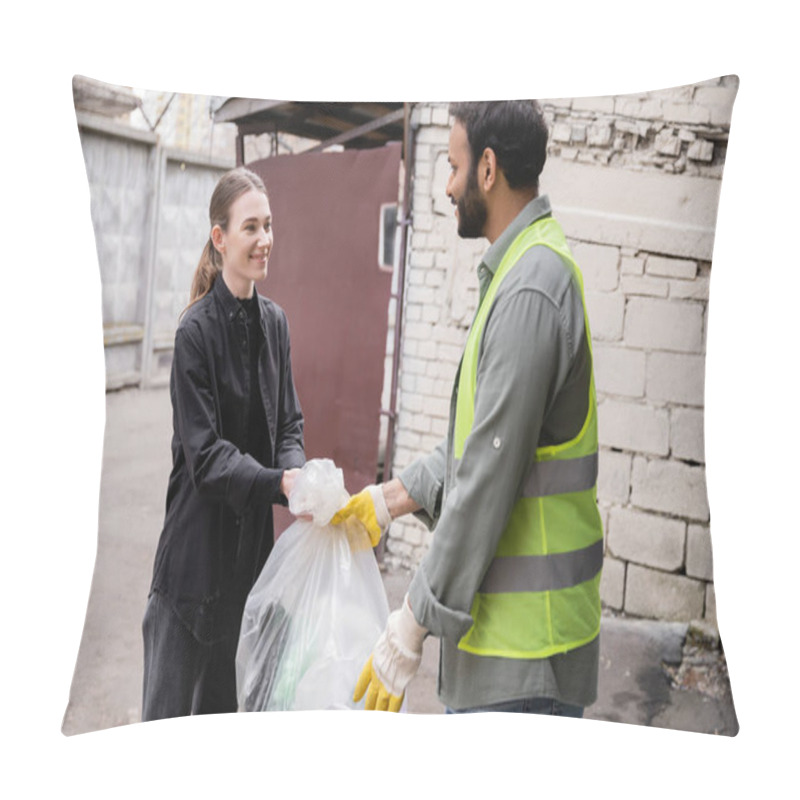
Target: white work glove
<point>370,509</point>
<point>393,663</point>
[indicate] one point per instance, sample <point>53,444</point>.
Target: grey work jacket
<point>532,380</point>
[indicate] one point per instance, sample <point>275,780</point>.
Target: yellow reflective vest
<point>541,593</point>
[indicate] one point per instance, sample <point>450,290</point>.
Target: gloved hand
<point>369,508</point>
<point>393,663</point>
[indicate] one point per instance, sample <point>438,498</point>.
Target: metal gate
<point>325,272</point>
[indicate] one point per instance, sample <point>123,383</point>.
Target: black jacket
<point>218,529</point>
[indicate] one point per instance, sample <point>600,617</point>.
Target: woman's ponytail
<point>204,275</point>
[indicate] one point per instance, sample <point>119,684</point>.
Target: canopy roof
<point>353,125</point>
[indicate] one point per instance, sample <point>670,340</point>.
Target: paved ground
<point>651,673</point>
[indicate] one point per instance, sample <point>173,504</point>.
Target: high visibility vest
<point>541,593</point>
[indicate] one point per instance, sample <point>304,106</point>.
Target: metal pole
<point>405,227</point>
<point>239,147</point>
<point>159,157</point>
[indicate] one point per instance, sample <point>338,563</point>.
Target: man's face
<point>462,186</point>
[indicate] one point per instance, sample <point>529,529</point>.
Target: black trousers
<point>183,676</point>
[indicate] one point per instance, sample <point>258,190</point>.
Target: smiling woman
<point>238,213</point>
<point>237,446</point>
<point>246,244</point>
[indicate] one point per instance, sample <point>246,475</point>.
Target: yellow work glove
<point>369,508</point>
<point>393,663</point>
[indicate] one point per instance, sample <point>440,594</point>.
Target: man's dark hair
<point>517,132</point>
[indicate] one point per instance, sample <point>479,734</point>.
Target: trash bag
<point>318,607</point>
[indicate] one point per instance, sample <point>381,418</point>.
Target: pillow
<point>634,181</point>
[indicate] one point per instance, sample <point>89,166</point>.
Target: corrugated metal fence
<point>149,207</point>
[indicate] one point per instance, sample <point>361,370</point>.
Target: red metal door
<point>324,272</point>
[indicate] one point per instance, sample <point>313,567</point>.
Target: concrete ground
<point>644,670</point>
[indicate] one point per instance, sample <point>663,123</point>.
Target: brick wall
<point>646,266</point>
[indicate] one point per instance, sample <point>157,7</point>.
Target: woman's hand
<point>287,481</point>
<point>287,484</point>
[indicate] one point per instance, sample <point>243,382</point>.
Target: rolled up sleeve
<point>424,482</point>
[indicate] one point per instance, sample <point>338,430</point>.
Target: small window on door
<point>388,246</point>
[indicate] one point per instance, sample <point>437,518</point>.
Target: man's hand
<point>369,508</point>
<point>393,663</point>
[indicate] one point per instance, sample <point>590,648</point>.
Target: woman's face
<point>245,245</point>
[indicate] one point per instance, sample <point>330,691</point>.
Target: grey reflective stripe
<point>559,477</point>
<point>543,573</point>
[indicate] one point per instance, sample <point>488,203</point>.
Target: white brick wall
<point>670,487</point>
<point>645,286</point>
<point>631,266</point>
<point>626,425</point>
<point>614,477</point>
<point>599,265</point>
<point>648,539</point>
<point>698,553</point>
<point>671,267</point>
<point>711,604</point>
<point>647,312</point>
<point>656,324</point>
<point>606,315</point>
<point>652,593</point>
<point>619,370</point>
<point>686,434</point>
<point>675,378</point>
<point>612,584</point>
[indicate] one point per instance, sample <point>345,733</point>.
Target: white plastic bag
<point>314,614</point>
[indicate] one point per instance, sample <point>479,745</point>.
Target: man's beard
<point>472,210</point>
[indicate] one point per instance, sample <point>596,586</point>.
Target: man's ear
<point>487,169</point>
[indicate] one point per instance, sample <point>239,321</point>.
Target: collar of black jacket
<point>231,306</point>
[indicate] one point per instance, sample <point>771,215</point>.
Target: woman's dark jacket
<point>218,529</point>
